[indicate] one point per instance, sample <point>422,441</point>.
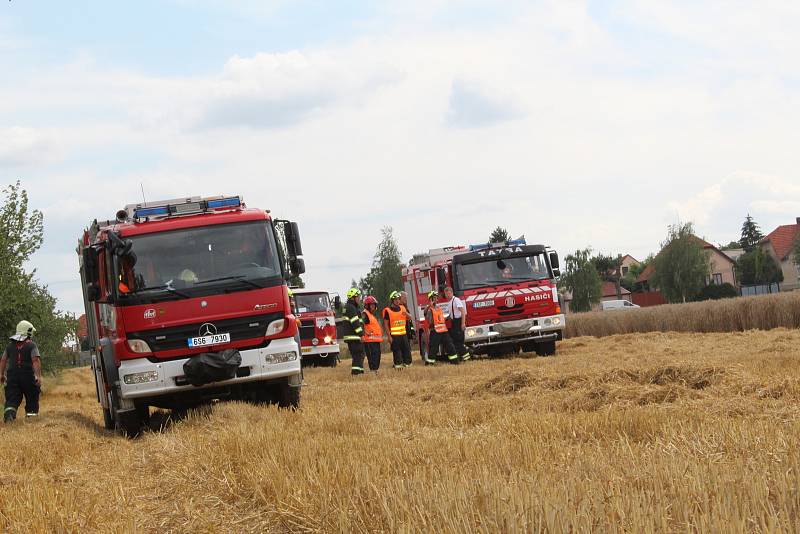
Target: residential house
<point>628,261</point>
<point>722,267</point>
<point>779,244</point>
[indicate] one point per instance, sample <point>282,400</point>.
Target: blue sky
<point>576,123</point>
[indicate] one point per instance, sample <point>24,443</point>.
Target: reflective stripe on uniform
<point>351,338</point>
<point>359,330</point>
<point>11,409</point>
<point>452,356</point>
<point>354,368</point>
<point>354,319</point>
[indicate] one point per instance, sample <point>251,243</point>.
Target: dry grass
<point>636,433</point>
<point>761,312</point>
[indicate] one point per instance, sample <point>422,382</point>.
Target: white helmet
<point>24,330</point>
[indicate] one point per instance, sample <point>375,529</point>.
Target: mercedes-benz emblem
<point>207,329</point>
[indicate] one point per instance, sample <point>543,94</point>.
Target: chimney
<point>797,220</point>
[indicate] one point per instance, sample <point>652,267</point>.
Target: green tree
<point>386,274</point>
<point>751,234</point>
<point>757,267</point>
<point>682,267</point>
<point>610,270</point>
<point>733,245</point>
<point>499,235</point>
<point>21,296</point>
<point>796,250</point>
<point>582,281</point>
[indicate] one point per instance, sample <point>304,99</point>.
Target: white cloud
<point>606,144</point>
<point>24,146</point>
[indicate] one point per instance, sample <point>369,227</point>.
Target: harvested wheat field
<point>637,433</point>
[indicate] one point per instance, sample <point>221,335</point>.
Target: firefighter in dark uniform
<point>21,372</point>
<point>353,330</point>
<point>437,332</point>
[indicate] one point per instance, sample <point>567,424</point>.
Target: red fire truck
<point>186,302</point>
<point>318,343</point>
<point>509,290</point>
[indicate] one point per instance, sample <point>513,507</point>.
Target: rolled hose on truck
<point>211,367</point>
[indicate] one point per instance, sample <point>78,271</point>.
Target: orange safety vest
<point>438,319</point>
<point>372,330</point>
<point>397,321</point>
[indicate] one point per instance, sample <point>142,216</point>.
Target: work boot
<point>9,415</point>
<point>355,371</point>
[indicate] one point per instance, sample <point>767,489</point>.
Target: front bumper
<point>548,328</point>
<point>320,350</point>
<point>256,361</point>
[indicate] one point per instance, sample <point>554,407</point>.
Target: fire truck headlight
<point>548,322</point>
<point>140,378</point>
<point>328,340</point>
<point>281,357</point>
<point>275,327</point>
<point>471,332</point>
<point>556,321</point>
<point>138,346</point>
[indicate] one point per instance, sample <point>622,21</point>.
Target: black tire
<point>530,346</point>
<point>129,423</point>
<point>288,396</point>
<point>108,420</point>
<point>546,348</point>
<point>333,360</point>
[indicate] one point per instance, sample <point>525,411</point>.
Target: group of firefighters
<point>364,330</point>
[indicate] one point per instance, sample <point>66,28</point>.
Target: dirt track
<point>635,432</point>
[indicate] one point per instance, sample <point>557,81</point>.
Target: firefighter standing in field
<point>457,312</point>
<point>21,372</point>
<point>395,318</point>
<point>373,335</point>
<point>437,332</point>
<point>354,329</point>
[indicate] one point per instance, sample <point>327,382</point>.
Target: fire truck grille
<point>513,310</point>
<point>177,337</point>
<point>307,331</point>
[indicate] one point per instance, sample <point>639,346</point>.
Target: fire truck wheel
<point>548,348</point>
<point>288,396</point>
<point>129,423</point>
<point>108,419</point>
<point>333,360</point>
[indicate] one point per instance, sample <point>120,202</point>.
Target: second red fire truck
<point>509,290</point>
<point>318,343</point>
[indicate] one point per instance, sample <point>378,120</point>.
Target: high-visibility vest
<point>397,321</point>
<point>438,319</point>
<point>372,330</point>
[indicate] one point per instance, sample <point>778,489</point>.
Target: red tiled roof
<point>782,239</point>
<point>650,270</point>
<point>610,290</point>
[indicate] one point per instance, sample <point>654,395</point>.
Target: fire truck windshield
<point>193,262</point>
<point>312,302</point>
<point>492,272</point>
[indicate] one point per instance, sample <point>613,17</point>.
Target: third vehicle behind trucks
<point>318,343</point>
<point>509,290</point>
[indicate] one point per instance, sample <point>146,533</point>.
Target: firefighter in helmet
<point>21,372</point>
<point>373,335</point>
<point>395,318</point>
<point>354,329</point>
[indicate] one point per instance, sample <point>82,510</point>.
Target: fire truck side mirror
<point>554,261</point>
<point>293,240</point>
<point>92,292</point>
<point>441,276</point>
<point>297,266</point>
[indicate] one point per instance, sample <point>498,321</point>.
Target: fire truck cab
<point>186,303</point>
<point>509,290</point>
<point>318,343</point>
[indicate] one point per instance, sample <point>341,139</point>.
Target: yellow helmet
<point>24,330</point>
<point>291,293</point>
<point>353,292</point>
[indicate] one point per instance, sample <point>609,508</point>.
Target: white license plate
<point>207,341</point>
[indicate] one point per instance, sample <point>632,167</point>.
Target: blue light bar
<point>149,212</point>
<point>483,246</point>
<point>232,202</point>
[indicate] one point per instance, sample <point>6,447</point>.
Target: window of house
<point>716,279</point>
<point>624,271</point>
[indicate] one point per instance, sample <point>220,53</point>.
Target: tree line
<point>21,295</point>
